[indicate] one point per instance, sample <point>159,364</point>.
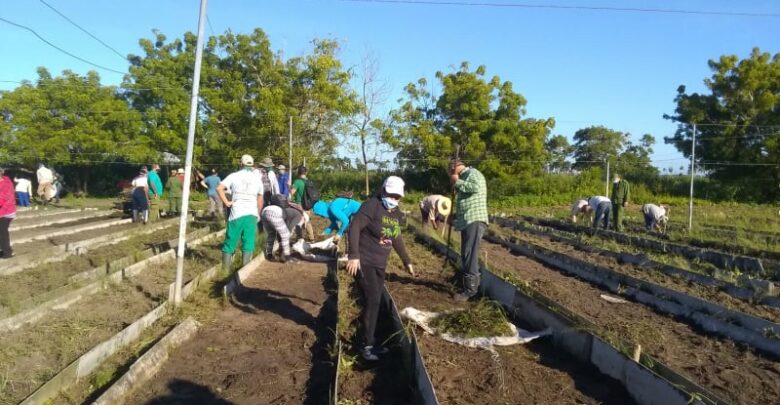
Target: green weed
<point>486,318</point>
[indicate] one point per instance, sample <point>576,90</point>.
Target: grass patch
<point>486,318</point>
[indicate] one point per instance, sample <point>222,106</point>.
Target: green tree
<point>558,150</point>
<point>71,121</point>
<point>484,116</point>
<point>594,145</point>
<point>739,121</point>
<point>634,161</point>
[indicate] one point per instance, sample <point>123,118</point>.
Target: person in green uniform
<point>174,189</point>
<point>621,194</point>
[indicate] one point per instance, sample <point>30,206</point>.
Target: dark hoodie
<point>373,232</point>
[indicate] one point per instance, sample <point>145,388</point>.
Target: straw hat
<point>444,206</point>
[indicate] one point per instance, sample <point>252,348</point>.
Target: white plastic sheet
<point>304,250</point>
<point>519,336</point>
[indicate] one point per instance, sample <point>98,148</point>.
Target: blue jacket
<point>283,188</point>
<point>339,211</point>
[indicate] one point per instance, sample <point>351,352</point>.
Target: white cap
<point>180,171</point>
<point>394,185</point>
<point>247,160</point>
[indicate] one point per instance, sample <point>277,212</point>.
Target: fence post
<point>693,168</point>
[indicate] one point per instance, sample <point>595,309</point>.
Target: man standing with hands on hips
<point>471,218</point>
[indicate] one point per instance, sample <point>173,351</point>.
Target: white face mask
<point>389,203</point>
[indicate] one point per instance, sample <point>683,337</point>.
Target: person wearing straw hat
<point>435,209</point>
<point>375,230</point>
<point>246,190</point>
<point>7,213</point>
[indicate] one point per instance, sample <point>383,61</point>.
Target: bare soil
<point>679,284</point>
<point>268,346</point>
<point>733,372</point>
<point>534,373</point>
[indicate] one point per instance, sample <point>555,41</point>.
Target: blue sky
<point>618,69</point>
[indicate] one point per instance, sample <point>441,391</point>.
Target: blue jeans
<point>24,198</point>
<point>602,211</point>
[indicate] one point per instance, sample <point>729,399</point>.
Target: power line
<point>208,20</point>
<point>83,29</point>
<point>24,27</point>
<point>565,7</point>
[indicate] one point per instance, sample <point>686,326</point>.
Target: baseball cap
<point>180,171</point>
<point>267,162</point>
<point>247,160</point>
<point>394,185</point>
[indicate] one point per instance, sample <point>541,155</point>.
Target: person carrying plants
<point>7,214</point>
<point>621,194</point>
<point>375,230</point>
<point>435,209</point>
<point>174,188</point>
<point>656,217</point>
<point>246,190</point>
<point>155,192</point>
<point>471,219</point>
<point>602,205</point>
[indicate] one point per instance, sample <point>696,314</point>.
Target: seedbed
<point>21,288</point>
<point>269,344</point>
<point>39,245</point>
<point>33,354</point>
<point>361,382</point>
<point>704,292</point>
<point>731,371</point>
<point>45,230</point>
<point>533,373</point>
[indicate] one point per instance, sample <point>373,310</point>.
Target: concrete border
<point>65,296</point>
<point>647,263</point>
<point>89,361</point>
<point>69,231</point>
<point>648,381</point>
<point>29,214</point>
<point>60,221</point>
<point>713,318</point>
<point>149,363</point>
<point>59,253</point>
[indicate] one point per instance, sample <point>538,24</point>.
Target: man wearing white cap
<point>375,230</point>
<point>246,189</point>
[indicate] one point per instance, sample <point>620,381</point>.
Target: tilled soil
<point>269,346</point>
<point>735,373</point>
<point>534,373</point>
<point>31,355</point>
<point>19,287</point>
<point>697,290</point>
<point>66,218</point>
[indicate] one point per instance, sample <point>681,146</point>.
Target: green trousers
<point>243,229</point>
<point>617,216</point>
<point>174,204</point>
<point>154,209</point>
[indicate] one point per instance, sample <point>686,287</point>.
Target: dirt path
<point>268,346</point>
<point>534,373</point>
<point>697,290</point>
<point>736,374</point>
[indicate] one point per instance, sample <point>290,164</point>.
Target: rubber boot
<point>135,216</point>
<point>226,259</point>
<point>246,257</point>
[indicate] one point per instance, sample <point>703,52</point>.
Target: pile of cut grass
<point>486,318</point>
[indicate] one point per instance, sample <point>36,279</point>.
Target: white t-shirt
<point>140,181</point>
<point>45,175</point>
<point>595,201</point>
<point>654,210</point>
<point>23,186</point>
<point>245,186</point>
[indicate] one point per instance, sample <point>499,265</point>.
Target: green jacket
<point>174,187</point>
<point>621,192</point>
<point>471,203</point>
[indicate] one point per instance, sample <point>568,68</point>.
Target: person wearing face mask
<point>471,218</point>
<point>375,230</point>
<point>284,181</point>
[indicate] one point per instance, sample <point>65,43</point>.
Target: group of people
<point>656,216</point>
<point>147,192</point>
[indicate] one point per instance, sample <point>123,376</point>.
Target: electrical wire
<point>24,27</point>
<point>83,29</point>
<point>566,7</point>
